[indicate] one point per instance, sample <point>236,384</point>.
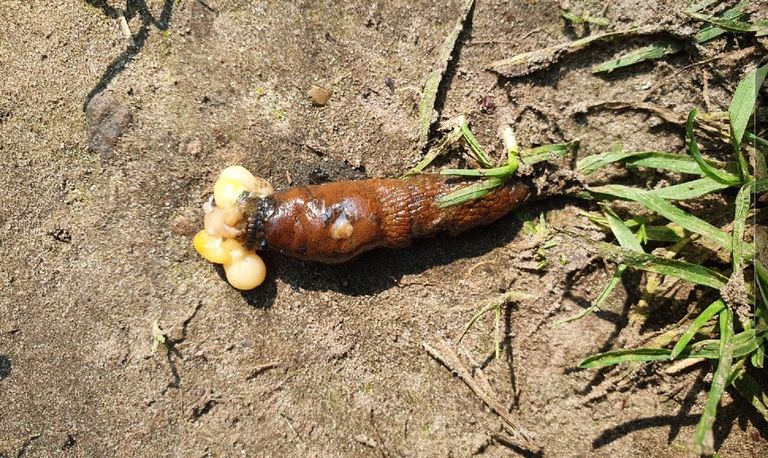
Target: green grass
<point>457,132</point>
<point>737,346</point>
<point>734,20</point>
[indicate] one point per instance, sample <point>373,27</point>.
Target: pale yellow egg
<point>254,184</point>
<point>246,272</point>
<point>226,191</point>
<point>215,249</point>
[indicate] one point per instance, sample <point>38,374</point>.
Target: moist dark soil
<point>110,148</point>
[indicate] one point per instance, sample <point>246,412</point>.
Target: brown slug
<point>334,222</point>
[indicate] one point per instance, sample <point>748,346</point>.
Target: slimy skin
<point>335,222</point>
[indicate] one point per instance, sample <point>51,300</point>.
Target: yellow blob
<point>240,174</point>
<point>216,243</point>
<point>226,191</point>
<point>246,272</point>
<point>214,249</point>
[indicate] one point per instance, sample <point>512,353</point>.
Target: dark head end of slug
<point>256,211</point>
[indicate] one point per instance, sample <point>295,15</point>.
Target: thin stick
<point>478,383</point>
<point>125,27</point>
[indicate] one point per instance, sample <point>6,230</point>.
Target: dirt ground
<point>108,152</point>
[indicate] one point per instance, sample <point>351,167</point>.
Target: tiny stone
<point>61,235</point>
<point>390,82</point>
<point>181,225</point>
<point>365,440</point>
<point>194,148</point>
<point>319,95</point>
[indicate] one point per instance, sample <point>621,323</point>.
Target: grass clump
<point>737,290</point>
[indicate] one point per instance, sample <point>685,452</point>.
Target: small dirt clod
<point>107,119</point>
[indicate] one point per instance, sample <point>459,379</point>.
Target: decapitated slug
<point>335,222</point>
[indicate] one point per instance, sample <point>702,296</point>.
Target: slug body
<point>335,222</point>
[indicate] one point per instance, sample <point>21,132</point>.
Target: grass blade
<point>740,249</point>
<point>651,52</point>
<point>597,303</point>
<point>742,344</point>
<point>496,306</point>
<point>751,390</point>
<point>731,25</point>
<point>504,171</point>
<point>710,32</point>
<point>470,192</point>
<point>761,274</point>
<point>689,190</point>
<point>743,201</point>
<point>595,162</point>
<point>743,103</point>
<point>429,94</point>
<point>476,317</point>
<point>671,233</point>
<point>547,152</point>
<point>664,233</point>
<point>693,148</point>
<point>541,54</point>
<point>476,151</point>
<point>704,436</point>
<point>653,159</point>
<point>667,161</point>
<point>756,141</point>
<point>713,309</point>
<point>692,273</point>
<point>668,211</point>
<point>622,356</point>
<point>440,147</point>
<point>623,234</point>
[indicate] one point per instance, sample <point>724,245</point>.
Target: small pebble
<point>319,95</point>
<point>181,225</point>
<point>194,148</point>
<point>390,82</point>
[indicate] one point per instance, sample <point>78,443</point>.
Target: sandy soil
<point>108,152</point>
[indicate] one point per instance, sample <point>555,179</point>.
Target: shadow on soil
<point>132,8</point>
<point>739,412</point>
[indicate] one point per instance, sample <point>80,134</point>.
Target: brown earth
<point>108,152</point>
